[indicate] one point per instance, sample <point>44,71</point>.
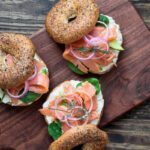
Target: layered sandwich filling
<point>74,103</point>
<point>32,89</point>
<point>98,51</point>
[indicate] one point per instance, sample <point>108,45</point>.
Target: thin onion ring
<point>107,33</point>
<point>58,100</point>
<point>78,118</point>
<point>35,72</point>
<point>82,59</point>
<point>21,95</point>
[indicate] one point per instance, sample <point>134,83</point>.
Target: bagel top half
<point>60,91</point>
<point>69,20</point>
<point>20,59</point>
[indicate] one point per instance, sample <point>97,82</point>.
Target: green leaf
<point>115,45</point>
<point>74,68</point>
<point>94,82</point>
<point>79,84</point>
<point>55,129</point>
<point>29,97</point>
<point>3,96</point>
<point>44,71</point>
<point>3,93</point>
<point>104,19</point>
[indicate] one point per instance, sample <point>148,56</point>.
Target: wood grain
<point>32,131</point>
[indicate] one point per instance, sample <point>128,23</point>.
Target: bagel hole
<point>79,147</point>
<point>71,19</point>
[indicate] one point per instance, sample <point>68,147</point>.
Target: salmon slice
<point>88,63</point>
<point>93,66</point>
<point>106,60</point>
<point>39,65</point>
<point>68,88</point>
<point>62,110</point>
<point>76,99</point>
<point>87,104</point>
<point>65,127</point>
<point>68,56</point>
<point>15,91</point>
<point>93,115</point>
<point>89,89</point>
<point>39,84</point>
<point>101,32</point>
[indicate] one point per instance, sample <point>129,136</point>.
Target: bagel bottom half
<point>89,135</point>
<point>59,89</point>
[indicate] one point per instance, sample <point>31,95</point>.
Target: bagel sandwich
<point>94,53</point>
<point>92,41</point>
<point>34,85</point>
<point>73,103</point>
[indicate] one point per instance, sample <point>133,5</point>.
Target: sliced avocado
<point>115,45</point>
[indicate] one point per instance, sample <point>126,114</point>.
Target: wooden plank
<point>26,128</point>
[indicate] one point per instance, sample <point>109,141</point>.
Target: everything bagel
<point>70,20</point>
<point>24,76</point>
<point>22,50</point>
<point>89,135</point>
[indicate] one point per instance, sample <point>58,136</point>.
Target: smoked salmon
<point>80,97</point>
<point>92,64</point>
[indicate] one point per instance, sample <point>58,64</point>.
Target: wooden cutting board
<point>124,88</point>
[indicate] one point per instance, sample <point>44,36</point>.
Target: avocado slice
<point>115,45</point>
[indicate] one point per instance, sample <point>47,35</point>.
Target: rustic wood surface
<point>131,132</point>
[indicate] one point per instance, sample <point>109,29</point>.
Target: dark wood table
<point>132,131</point>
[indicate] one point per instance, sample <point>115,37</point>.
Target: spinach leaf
<point>94,82</point>
<point>29,97</point>
<point>3,96</point>
<point>74,68</point>
<point>55,129</point>
<point>44,71</point>
<point>104,19</point>
<point>1,99</point>
<point>79,84</point>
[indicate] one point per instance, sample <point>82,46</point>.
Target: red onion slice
<point>86,40</point>
<point>73,119</point>
<point>80,99</point>
<point>101,41</point>
<point>26,88</point>
<point>96,41</point>
<point>82,117</point>
<point>35,72</point>
<point>58,100</point>
<point>82,59</point>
